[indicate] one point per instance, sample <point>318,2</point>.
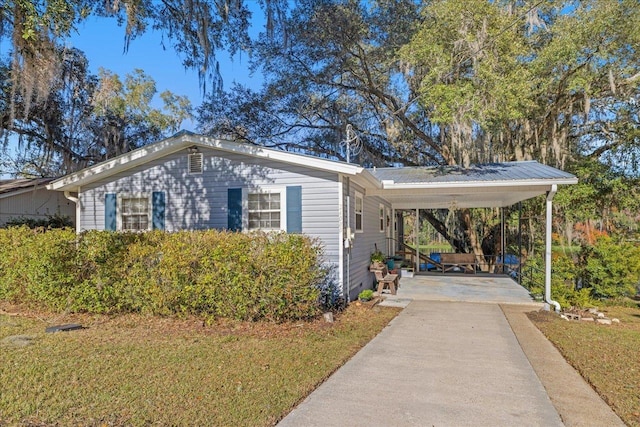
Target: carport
<point>494,185</point>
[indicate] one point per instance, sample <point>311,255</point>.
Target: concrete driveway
<point>436,364</point>
<point>463,288</point>
<point>454,363</point>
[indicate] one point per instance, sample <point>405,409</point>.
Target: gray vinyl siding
<point>35,204</point>
<point>365,242</point>
<point>199,201</point>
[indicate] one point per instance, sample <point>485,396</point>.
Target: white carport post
<point>547,259</point>
<point>417,242</point>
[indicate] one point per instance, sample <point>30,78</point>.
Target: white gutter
<point>68,195</point>
<point>547,258</point>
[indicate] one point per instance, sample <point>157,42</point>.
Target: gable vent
<point>195,163</point>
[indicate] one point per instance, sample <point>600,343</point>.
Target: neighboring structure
<point>192,182</point>
<point>30,199</point>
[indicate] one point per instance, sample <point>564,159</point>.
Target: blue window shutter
<point>110,220</point>
<point>294,209</point>
<point>234,209</point>
<point>158,213</point>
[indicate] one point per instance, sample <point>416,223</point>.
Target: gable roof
<point>183,140</point>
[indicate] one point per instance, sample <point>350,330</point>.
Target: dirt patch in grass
<point>607,356</point>
<point>140,370</point>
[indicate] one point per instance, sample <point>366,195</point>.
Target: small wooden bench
<point>466,262</point>
<point>385,280</point>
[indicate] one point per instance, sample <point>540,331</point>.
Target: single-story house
<point>191,182</point>
<point>29,199</point>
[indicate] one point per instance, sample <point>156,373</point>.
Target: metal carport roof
<point>486,185</point>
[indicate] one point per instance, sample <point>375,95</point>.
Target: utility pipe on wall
<point>547,258</point>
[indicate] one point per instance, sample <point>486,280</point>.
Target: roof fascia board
<point>367,181</point>
<point>456,191</point>
<point>119,164</point>
<point>279,155</point>
<point>390,185</point>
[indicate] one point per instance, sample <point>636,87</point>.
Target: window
<point>264,211</point>
<point>381,217</point>
<point>358,210</point>
<point>134,213</point>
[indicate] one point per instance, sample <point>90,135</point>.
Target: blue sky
<point>102,41</point>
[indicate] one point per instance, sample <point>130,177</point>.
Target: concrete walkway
<point>463,288</point>
<point>436,364</point>
<point>455,363</point>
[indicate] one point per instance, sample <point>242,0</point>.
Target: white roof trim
<point>279,155</point>
<point>178,142</point>
<point>391,185</point>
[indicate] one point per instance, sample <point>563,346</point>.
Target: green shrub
<point>365,295</point>
<point>37,265</point>
<point>608,269</point>
<point>564,275</point>
<point>611,267</point>
<point>215,274</point>
<point>50,221</point>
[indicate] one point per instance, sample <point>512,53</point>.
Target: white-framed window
<point>359,208</point>
<point>264,211</point>
<point>134,212</point>
<point>381,217</point>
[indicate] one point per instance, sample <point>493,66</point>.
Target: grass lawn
<point>608,357</point>
<point>139,370</point>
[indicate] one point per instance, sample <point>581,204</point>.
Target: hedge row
<point>212,273</point>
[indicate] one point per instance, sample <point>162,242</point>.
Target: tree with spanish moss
<point>447,82</point>
<point>85,118</point>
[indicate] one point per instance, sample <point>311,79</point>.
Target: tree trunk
<point>471,234</point>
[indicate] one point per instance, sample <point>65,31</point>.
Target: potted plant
<point>377,260</point>
<point>365,295</point>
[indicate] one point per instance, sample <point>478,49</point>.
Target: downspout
<point>341,234</point>
<point>75,200</point>
<point>547,260</point>
<point>349,242</point>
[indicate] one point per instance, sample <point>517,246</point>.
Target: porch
<point>478,288</point>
